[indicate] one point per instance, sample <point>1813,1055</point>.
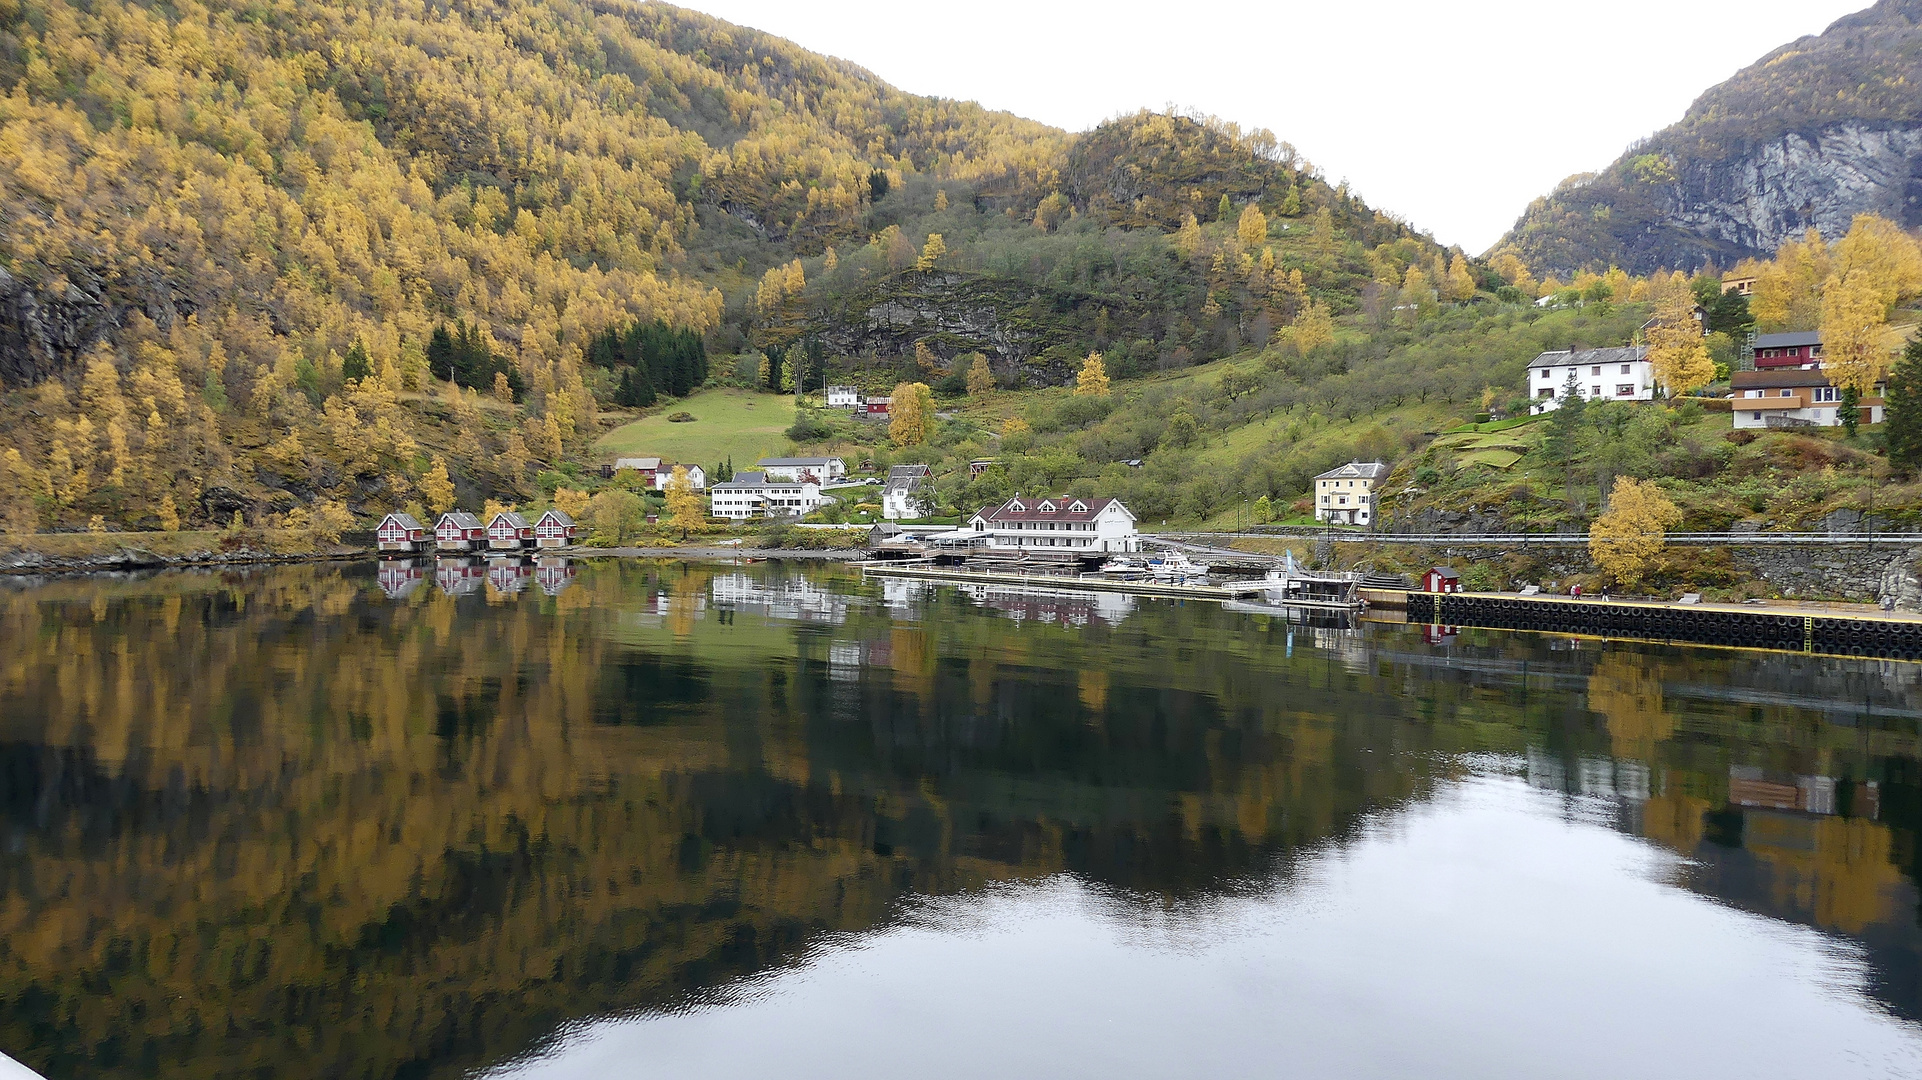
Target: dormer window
<point>1017,508</point>
<point>1079,507</point>
<point>1047,508</point>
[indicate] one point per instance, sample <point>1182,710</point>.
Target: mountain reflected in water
<point>426,819</point>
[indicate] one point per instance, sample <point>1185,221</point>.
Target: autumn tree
<point>1252,229</point>
<point>931,252</point>
<point>1853,318</point>
<point>1633,530</point>
<point>684,503</point>
<point>1314,327</point>
<point>571,502</point>
<point>980,376</point>
<point>614,517</point>
<point>437,488</point>
<point>1788,290</point>
<point>1093,378</point>
<point>1459,286</point>
<point>1675,347</point>
<point>910,414</point>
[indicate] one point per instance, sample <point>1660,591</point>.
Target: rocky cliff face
<point>45,329</point>
<point>1781,188</point>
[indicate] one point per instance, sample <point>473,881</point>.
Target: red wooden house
<point>1440,579</point>
<point>554,529</point>
<point>509,532</point>
<point>400,532</point>
<point>458,530</point>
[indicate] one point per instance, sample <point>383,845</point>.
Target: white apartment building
<point>1091,525</point>
<point>754,494</point>
<point>844,397</point>
<point>1622,374</point>
<point>812,470</point>
<point>908,493</point>
<point>1346,496</point>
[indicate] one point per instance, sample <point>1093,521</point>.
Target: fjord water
<point>665,819</point>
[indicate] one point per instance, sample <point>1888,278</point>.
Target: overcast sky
<point>1453,116</point>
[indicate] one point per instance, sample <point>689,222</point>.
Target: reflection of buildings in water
<point>794,599</point>
<point>509,576</point>
<point>1059,606</point>
<point>400,577</point>
<point>553,575</point>
<point>1347,643</point>
<point>1749,786</point>
<point>846,659</point>
<point>904,596</point>
<point>458,577</point>
<point>1440,635</point>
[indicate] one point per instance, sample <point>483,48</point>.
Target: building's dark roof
<point>1794,340</point>
<point>744,479</point>
<point>461,518</point>
<point>1019,509</point>
<point>1356,470</point>
<point>792,462</point>
<point>403,519</point>
<point>560,516</point>
<point>513,519</point>
<point>1626,354</point>
<point>1782,378</point>
<point>1445,573</point>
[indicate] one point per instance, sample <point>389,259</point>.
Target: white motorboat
<point>1176,567</point>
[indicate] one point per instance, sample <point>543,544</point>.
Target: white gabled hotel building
<point>754,494</point>
<point>1089,525</point>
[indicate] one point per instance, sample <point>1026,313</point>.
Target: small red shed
<point>1442,580</point>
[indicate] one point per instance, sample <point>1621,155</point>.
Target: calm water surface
<point>701,820</point>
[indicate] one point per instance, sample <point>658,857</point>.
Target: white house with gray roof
<point>1346,496</point>
<point>1067,525</point>
<point>816,470</point>
<point>1622,374</point>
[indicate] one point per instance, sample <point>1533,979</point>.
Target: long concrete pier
<point>1177,590</point>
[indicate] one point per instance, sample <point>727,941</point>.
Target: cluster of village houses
<point>1787,387</point>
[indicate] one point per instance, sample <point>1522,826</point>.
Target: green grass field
<point>727,423</point>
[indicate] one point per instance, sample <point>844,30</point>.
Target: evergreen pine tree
<point>440,353</point>
<point>1903,408</point>
<point>355,365</point>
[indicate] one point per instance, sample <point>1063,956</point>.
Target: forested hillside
<point>229,234</point>
<point>1814,133</point>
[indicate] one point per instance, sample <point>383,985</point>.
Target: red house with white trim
<point>400,532</point>
<point>554,529</point>
<point>1440,579</point>
<point>509,532</point>
<point>458,530</point>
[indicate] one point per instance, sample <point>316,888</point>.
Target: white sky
<point>1453,116</point>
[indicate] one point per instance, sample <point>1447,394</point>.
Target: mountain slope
<point>1817,131</point>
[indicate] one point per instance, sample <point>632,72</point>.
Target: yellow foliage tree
<point>931,252</point>
<point>1252,229</point>
<point>1093,378</point>
<point>1314,327</point>
<point>438,488</point>
<point>1788,290</point>
<point>1459,286</point>
<point>684,503</point>
<point>1887,259</point>
<point>570,502</point>
<point>503,393</point>
<point>940,200</point>
<point>911,414</point>
<point>980,376</point>
<point>1675,347</point>
<point>1853,316</point>
<point>1188,237</point>
<point>169,514</point>
<point>1633,530</point>
<point>1014,425</point>
<point>1323,236</point>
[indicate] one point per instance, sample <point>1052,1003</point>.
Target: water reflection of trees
<point>278,821</point>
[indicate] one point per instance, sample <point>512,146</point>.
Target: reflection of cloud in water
<point>1482,934</point>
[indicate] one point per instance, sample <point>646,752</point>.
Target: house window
<point>1595,391</point>
<point>1788,393</point>
<point>1624,369</point>
<point>1826,393</point>
<point>1596,370</point>
<point>1547,392</point>
<point>1757,416</point>
<point>1625,390</point>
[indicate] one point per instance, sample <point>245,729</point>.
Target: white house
<point>754,494</point>
<point>813,470</point>
<point>696,476</point>
<point>1090,525</point>
<point>844,397</point>
<point>1622,374</point>
<point>1795,397</point>
<point>1346,496</point>
<point>908,493</point>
